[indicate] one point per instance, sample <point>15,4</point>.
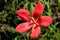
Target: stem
<point>24,36</point>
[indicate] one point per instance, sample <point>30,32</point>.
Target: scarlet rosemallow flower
<point>33,23</point>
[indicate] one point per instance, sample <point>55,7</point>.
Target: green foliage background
<point>9,19</point>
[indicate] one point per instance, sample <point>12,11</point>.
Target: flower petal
<point>35,31</point>
<point>23,27</point>
<point>24,14</point>
<point>38,9</point>
<point>45,20</point>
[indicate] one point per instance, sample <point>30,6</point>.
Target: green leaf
<point>28,37</point>
<point>18,38</point>
<point>30,7</point>
<point>16,1</point>
<point>59,5</point>
<point>58,34</point>
<point>5,1</point>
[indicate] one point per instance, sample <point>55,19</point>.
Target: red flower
<point>31,22</point>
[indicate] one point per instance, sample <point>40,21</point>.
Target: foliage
<point>9,19</point>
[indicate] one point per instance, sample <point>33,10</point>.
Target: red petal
<point>35,32</point>
<point>38,9</point>
<point>45,20</point>
<point>24,14</point>
<point>23,27</point>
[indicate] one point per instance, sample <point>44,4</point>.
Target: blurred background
<point>9,19</point>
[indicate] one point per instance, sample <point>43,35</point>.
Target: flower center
<point>34,21</point>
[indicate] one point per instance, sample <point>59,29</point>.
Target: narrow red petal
<point>24,14</point>
<point>23,27</point>
<point>38,9</point>
<point>45,20</point>
<point>35,31</point>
